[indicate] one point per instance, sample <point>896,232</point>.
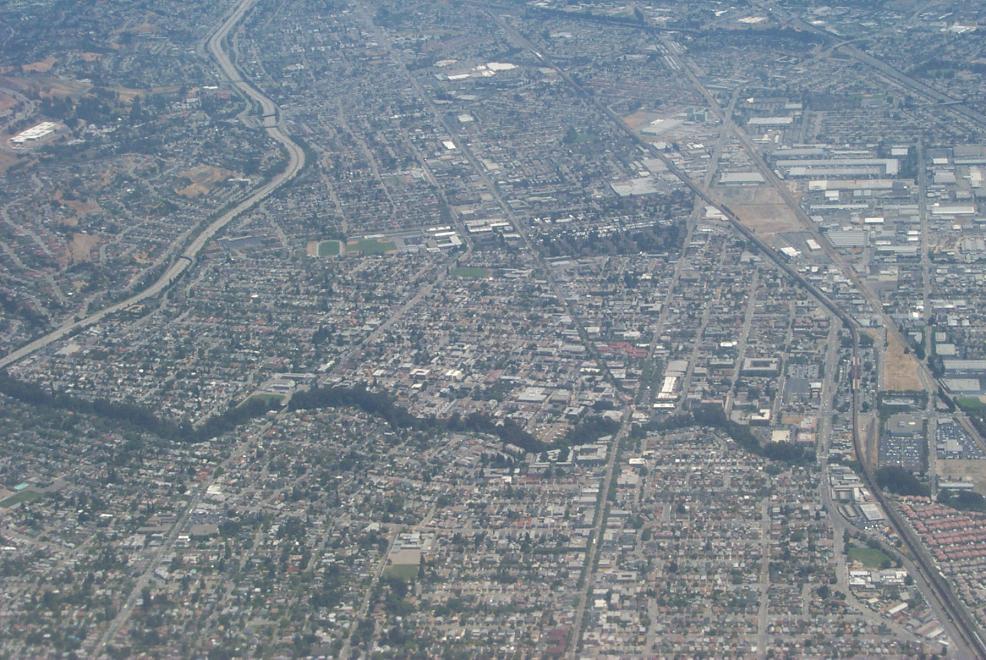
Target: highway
<point>274,128</point>
<point>295,163</point>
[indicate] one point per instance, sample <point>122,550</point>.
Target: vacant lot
<point>6,160</point>
<point>640,119</point>
<point>899,368</point>
<point>41,66</point>
<point>760,208</point>
<point>964,470</point>
<point>7,101</point>
<point>868,557</point>
<point>128,94</point>
<point>200,180</point>
<point>82,246</point>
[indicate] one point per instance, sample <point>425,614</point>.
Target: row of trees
<point>136,416</point>
<point>898,480</point>
<point>375,403</point>
<point>715,417</point>
<point>963,500</point>
<point>590,429</point>
<point>381,405</point>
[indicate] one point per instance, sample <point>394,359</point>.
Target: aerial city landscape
<point>493,328</point>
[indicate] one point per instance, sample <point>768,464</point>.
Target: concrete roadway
<point>295,163</point>
<point>273,127</point>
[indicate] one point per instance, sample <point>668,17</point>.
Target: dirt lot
<point>81,247</point>
<point>760,208</point>
<point>79,207</point>
<point>7,101</point>
<point>44,86</point>
<point>128,94</point>
<point>144,27</point>
<point>639,119</point>
<point>966,470</point>
<point>41,66</point>
<point>6,160</point>
<point>201,179</point>
<point>871,440</point>
<point>82,208</point>
<point>899,368</point>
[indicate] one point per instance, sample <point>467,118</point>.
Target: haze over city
<point>493,328</point>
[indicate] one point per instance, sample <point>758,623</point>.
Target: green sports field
<point>329,248</point>
<point>470,273</point>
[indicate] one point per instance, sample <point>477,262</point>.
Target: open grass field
<point>868,557</point>
<point>971,404</point>
<point>406,572</point>
<point>329,248</point>
<point>23,496</point>
<point>470,273</point>
<point>371,246</point>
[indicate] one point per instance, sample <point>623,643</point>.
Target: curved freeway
<point>272,125</point>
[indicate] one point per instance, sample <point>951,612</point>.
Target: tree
<point>898,480</point>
